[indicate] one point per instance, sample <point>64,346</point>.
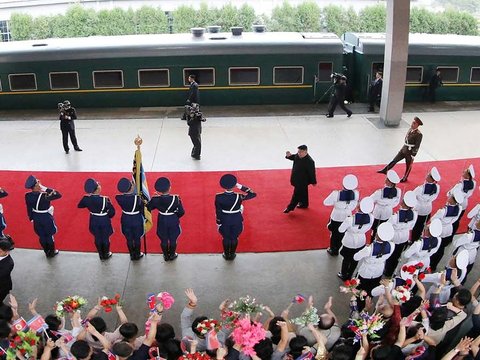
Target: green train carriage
<point>152,70</point>
<point>456,56</point>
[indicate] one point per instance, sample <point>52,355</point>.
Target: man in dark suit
<point>338,96</point>
<point>194,121</point>
<point>6,267</point>
<point>193,95</point>
<point>413,139</point>
<point>303,174</point>
<point>375,92</point>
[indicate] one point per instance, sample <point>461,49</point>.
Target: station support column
<point>395,62</point>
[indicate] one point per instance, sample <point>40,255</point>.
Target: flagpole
<point>138,181</point>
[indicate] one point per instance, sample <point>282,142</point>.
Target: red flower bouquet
<point>350,286</point>
<point>107,303</point>
<point>208,325</point>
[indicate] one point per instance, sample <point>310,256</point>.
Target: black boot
<point>172,254</point>
<point>166,253</point>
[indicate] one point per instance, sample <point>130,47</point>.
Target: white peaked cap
<point>410,199</point>
<point>461,259</point>
<point>435,227</point>
<point>385,231</point>
<point>366,205</point>
<point>471,170</point>
<point>393,176</point>
<point>350,182</point>
<point>435,174</point>
<point>458,195</point>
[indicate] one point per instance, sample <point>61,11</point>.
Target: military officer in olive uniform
<point>413,139</point>
<point>132,220</point>
<point>170,210</point>
<point>101,213</point>
<point>229,209</point>
<point>40,212</point>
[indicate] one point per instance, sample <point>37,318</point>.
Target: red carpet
<point>266,227</point>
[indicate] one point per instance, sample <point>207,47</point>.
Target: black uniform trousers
<point>336,237</point>
<point>348,264</point>
<point>68,129</point>
<point>407,155</point>
<point>332,105</point>
<point>456,224</point>
<point>419,226</point>
<point>437,257</point>
<point>197,144</point>
<point>392,261</point>
<point>299,197</point>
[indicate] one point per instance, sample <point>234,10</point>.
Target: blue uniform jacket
<point>37,209</point>
<point>101,211</point>
<point>167,204</point>
<point>132,209</point>
<point>228,205</point>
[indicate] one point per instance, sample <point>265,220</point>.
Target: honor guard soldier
<point>467,184</point>
<point>372,258</point>
<point>385,199</point>
<point>402,221</point>
<point>421,250</point>
<point>447,215</point>
<point>409,150</point>
<point>470,242</point>
<point>354,228</point>
<point>229,209</point>
<point>170,210</point>
<point>426,194</point>
<point>3,223</point>
<point>40,212</point>
<point>344,202</point>
<point>101,213</point>
<point>474,216</point>
<point>67,116</point>
<point>133,222</point>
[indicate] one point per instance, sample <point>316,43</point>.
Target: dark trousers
<point>419,226</point>
<point>437,257</point>
<point>369,284</point>
<point>372,101</point>
<point>168,235</point>
<point>348,264</point>
<point>392,261</point>
<point>3,294</point>
<point>335,236</point>
<point>197,145</point>
<point>45,233</point>
<point>376,223</point>
<point>68,129</point>
<point>407,155</point>
<point>299,197</point>
<point>102,243</point>
<point>230,234</point>
<point>431,94</point>
<point>332,105</point>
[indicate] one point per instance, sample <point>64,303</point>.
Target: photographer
<point>338,95</point>
<point>194,122</point>
<point>67,114</point>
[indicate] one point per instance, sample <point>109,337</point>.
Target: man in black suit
<point>375,92</point>
<point>6,267</point>
<point>338,96</point>
<point>303,174</point>
<point>434,83</point>
<point>193,95</point>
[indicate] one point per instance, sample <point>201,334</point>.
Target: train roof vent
<point>259,28</point>
<point>236,30</point>
<point>42,44</point>
<point>214,29</point>
<point>197,32</point>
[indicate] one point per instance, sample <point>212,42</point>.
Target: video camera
<point>193,112</point>
<point>336,76</point>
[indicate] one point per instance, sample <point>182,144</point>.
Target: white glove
<point>239,186</point>
<point>43,188</point>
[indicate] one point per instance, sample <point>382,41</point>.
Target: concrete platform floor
<point>234,138</point>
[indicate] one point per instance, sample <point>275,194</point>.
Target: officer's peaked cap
<point>228,181</point>
<point>458,195</point>
<point>461,260</point>
<point>385,231</point>
<point>350,182</point>
<point>471,170</point>
<point>124,185</point>
<point>366,205</point>
<point>393,176</point>
<point>417,120</point>
<point>30,182</point>
<point>162,184</point>
<point>410,199</point>
<point>435,174</point>
<point>435,227</point>
<point>90,185</point>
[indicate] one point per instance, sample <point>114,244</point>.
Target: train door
<point>323,81</point>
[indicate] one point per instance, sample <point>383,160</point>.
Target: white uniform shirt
<point>444,295</point>
<point>402,229</point>
<point>414,254</point>
<point>447,221</point>
<point>466,242</point>
<point>383,206</point>
<point>341,209</point>
<point>354,237</point>
<point>469,193</point>
<point>424,201</point>
<point>474,215</point>
<point>370,267</point>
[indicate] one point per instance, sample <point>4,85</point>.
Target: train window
<point>153,77</point>
<point>203,76</point>
<point>244,76</point>
<point>64,80</point>
<point>414,74</point>
<point>284,75</point>
<point>325,69</point>
<point>474,75</point>
<point>22,82</point>
<point>108,79</point>
<point>449,74</point>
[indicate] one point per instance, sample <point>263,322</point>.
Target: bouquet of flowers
<point>69,305</point>
<point>24,343</point>
<point>309,316</point>
<point>246,305</point>
<point>351,287</point>
<point>166,299</point>
<point>195,356</point>
<point>229,318</point>
<point>298,299</point>
<point>401,294</point>
<point>208,325</point>
<point>366,324</point>
<point>107,303</point>
<point>248,334</point>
